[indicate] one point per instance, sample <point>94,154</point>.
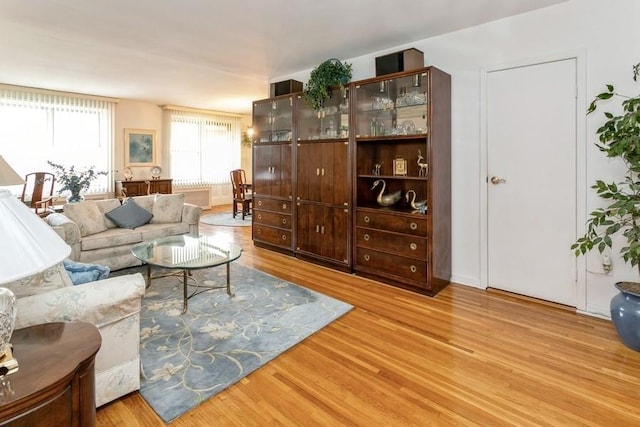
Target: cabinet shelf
<point>391,138</point>
<point>395,177</point>
<point>321,140</point>
<point>400,210</point>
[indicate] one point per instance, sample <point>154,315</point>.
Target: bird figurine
<point>420,206</point>
<point>386,199</point>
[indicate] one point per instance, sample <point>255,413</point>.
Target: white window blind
<point>70,130</point>
<point>203,147</point>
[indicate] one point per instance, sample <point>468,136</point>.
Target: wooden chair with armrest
<point>242,193</point>
<point>37,192</point>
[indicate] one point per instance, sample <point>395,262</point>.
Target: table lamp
<point>7,175</point>
<point>28,246</point>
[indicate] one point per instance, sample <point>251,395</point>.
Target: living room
<point>599,37</point>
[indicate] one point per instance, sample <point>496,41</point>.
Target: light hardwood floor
<point>465,357</point>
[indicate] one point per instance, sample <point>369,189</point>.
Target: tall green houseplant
<point>330,73</point>
<point>619,138</point>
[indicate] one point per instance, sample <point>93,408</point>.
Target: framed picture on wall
<point>139,147</point>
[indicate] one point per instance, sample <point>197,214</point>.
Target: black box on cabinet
<point>286,87</point>
<point>405,60</point>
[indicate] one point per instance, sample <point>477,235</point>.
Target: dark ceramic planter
<point>625,313</point>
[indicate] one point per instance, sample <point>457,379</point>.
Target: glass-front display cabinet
<point>330,122</point>
<point>273,120</point>
<point>402,163</point>
<point>392,123</point>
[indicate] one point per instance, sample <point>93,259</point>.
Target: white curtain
<point>203,146</point>
<point>37,126</point>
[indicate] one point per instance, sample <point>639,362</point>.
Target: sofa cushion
<point>129,215</point>
<point>167,208</point>
<point>107,205</point>
<point>80,272</point>
<point>111,238</point>
<point>52,278</point>
<point>145,202</point>
<point>154,231</point>
<point>87,216</point>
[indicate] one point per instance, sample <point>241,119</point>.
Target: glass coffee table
<point>186,253</point>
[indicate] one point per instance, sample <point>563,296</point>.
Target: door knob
<point>495,180</point>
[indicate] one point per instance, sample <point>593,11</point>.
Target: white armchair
<point>113,305</point>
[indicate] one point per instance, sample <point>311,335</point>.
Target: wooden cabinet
<point>402,136</point>
<point>272,170</point>
<point>323,232</point>
<point>143,187</point>
<point>272,173</point>
<point>322,172</point>
<point>323,183</point>
<point>395,129</point>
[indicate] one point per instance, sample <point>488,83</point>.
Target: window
<point>203,147</point>
<point>39,126</point>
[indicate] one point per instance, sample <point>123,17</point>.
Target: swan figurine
<point>386,199</point>
<point>420,206</point>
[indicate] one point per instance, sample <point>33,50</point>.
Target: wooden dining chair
<point>242,194</point>
<point>37,192</point>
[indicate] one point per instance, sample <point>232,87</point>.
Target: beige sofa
<point>113,305</point>
<point>96,239</point>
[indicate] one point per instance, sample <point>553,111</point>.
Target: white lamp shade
<point>27,244</point>
<point>7,175</point>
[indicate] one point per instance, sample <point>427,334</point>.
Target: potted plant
<point>619,138</point>
<point>73,180</point>
<point>330,73</point>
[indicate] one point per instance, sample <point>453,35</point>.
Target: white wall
<point>606,33</point>
<point>138,115</point>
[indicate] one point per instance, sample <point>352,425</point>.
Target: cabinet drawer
<point>405,245</point>
<point>273,219</point>
<point>274,205</point>
<point>412,269</point>
<point>274,236</point>
<point>400,224</point>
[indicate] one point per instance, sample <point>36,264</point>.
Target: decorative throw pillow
<point>80,272</point>
<point>87,216</point>
<point>52,278</point>
<point>129,215</point>
<point>105,206</point>
<point>167,208</point>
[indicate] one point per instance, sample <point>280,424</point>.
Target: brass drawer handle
<point>367,257</point>
<point>284,221</point>
<point>259,216</point>
<point>413,269</point>
<point>259,202</point>
<point>413,246</point>
<point>366,237</point>
<point>367,219</point>
<point>413,226</point>
<point>284,206</point>
<point>284,237</point>
<point>259,230</point>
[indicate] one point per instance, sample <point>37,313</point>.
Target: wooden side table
<point>55,382</point>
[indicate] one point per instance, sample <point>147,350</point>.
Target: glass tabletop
<point>186,252</point>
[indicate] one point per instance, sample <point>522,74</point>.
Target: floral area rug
<point>226,219</point>
<point>187,358</point>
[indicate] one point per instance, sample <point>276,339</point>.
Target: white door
<point>531,183</point>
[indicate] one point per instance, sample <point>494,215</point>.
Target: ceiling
<point>217,55</point>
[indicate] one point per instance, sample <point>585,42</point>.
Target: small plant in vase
<point>619,138</point>
<point>74,181</point>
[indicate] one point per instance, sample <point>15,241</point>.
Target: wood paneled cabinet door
<point>272,170</point>
<point>322,172</point>
<point>323,231</point>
